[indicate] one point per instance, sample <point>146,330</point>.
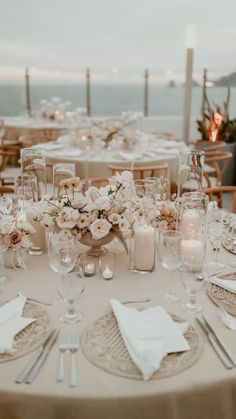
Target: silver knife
<point>224,359</point>
<point>26,370</point>
<point>227,351</point>
<point>35,370</point>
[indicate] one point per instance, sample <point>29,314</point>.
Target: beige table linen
<point>207,390</point>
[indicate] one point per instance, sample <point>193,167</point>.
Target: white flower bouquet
<point>98,211</point>
<point>15,231</point>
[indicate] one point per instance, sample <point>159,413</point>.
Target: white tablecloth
<point>206,390</point>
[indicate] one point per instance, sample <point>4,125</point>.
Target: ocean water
<point>113,99</point>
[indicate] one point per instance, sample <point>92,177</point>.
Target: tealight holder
<point>88,265</point>
<point>107,266</point>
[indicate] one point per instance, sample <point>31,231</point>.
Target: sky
<point>117,39</point>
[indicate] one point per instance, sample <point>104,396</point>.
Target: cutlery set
<point>68,342</point>
<point>223,352</point>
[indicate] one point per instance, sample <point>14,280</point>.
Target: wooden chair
<point>5,176</point>
<point>217,161</point>
<point>218,193</point>
<point>208,146</point>
<point>142,172</point>
<point>6,190</point>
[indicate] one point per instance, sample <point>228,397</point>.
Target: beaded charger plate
<point>32,336</point>
<point>227,244</point>
<point>222,297</point>
<point>103,346</point>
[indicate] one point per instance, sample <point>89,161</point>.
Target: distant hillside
<point>229,80</point>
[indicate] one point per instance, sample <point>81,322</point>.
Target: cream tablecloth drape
<point>206,390</point>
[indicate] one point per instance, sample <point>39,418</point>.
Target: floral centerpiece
<point>15,234</point>
<point>94,217</point>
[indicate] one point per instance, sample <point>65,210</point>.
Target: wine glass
<point>170,256</point>
<point>62,255</point>
<point>71,287</point>
<point>218,226</point>
<point>193,279</point>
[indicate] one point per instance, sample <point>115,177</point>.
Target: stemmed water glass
<point>218,227</point>
<point>62,258</point>
<point>170,256</point>
<point>193,279</point>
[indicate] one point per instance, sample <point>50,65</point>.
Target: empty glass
<point>193,279</point>
<point>170,256</point>
<point>33,164</point>
<point>61,171</point>
<point>71,287</point>
<point>218,227</point>
<point>190,172</point>
<point>62,255</point>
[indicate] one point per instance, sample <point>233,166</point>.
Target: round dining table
<point>94,161</point>
<point>205,390</point>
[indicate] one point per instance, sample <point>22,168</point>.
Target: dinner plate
<point>221,297</point>
<point>33,335</point>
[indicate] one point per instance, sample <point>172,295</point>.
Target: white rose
<point>67,218</point>
<point>96,200</point>
<point>83,221</point>
<point>100,228</point>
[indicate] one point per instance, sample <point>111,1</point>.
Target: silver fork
<point>73,347</point>
<point>64,345</point>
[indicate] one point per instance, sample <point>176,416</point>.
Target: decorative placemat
<point>227,244</point>
<point>103,346</point>
<point>33,335</point>
<point>222,297</point>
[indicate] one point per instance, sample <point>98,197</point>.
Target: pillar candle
<point>192,252</point>
<point>190,224</point>
<point>144,248</point>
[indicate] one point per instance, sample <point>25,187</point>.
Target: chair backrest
<point>6,190</point>
<point>142,172</point>
<point>218,191</point>
<point>219,161</point>
<point>207,146</point>
<point>5,155</point>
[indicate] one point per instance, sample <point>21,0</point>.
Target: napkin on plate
<point>227,284</point>
<point>149,335</point>
<point>12,322</point>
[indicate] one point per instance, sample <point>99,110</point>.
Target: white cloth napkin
<point>149,335</point>
<point>12,322</point>
<point>227,284</point>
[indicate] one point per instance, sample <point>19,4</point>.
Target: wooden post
<point>204,94</point>
<point>188,95</point>
<point>146,81</point>
<point>88,104</point>
<point>27,92</point>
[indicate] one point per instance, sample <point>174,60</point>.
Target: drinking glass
<point>33,163</point>
<point>170,256</point>
<point>193,279</point>
<point>218,227</point>
<point>27,180</point>
<point>71,287</point>
<point>61,171</point>
<point>62,255</point>
<point>24,198</point>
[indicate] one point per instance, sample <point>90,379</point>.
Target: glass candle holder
<point>193,215</point>
<point>33,163</point>
<point>88,265</point>
<point>143,233</point>
<point>107,266</point>
<point>61,171</point>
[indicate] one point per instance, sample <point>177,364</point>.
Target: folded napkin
<point>227,284</point>
<point>149,335</point>
<point>12,322</point>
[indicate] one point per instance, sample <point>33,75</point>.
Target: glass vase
<point>33,164</point>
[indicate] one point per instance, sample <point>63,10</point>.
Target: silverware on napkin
<point>215,345</point>
<point>30,371</point>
